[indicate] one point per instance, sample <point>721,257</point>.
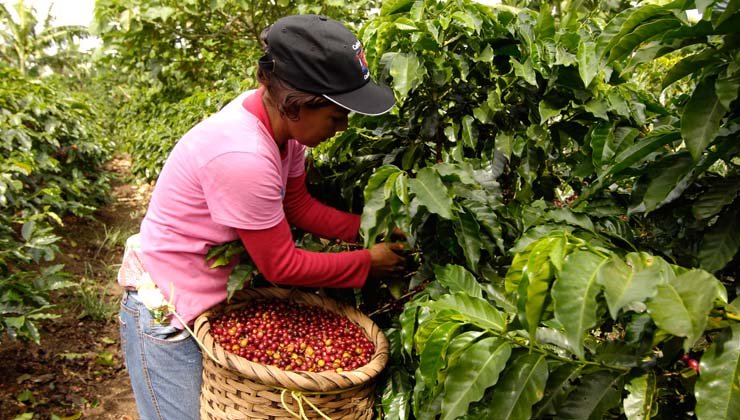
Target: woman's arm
<point>277,258</point>
<point>309,214</point>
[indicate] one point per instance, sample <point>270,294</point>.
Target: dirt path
<point>77,371</point>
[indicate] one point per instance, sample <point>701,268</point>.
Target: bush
<point>53,150</point>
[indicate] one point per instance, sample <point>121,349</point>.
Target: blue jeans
<point>163,363</point>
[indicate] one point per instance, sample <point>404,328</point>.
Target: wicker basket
<point>237,388</point>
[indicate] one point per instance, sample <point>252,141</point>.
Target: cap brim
<point>370,99</point>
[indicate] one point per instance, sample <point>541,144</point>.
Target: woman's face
<point>315,125</point>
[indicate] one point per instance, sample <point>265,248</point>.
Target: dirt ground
<point>77,371</point>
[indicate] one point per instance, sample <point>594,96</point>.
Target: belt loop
<point>124,299</point>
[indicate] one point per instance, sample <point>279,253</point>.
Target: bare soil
<point>77,371</point>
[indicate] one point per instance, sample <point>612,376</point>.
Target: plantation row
<point>566,174</point>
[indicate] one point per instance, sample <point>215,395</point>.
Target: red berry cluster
<point>293,336</point>
<point>691,362</point>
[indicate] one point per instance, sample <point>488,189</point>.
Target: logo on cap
<point>360,52</point>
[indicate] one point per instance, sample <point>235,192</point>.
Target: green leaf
<point>524,71</point>
<point>375,210</point>
<point>434,353</point>
<point>460,344</point>
<point>727,89</point>
<point>396,395</point>
<point>596,393</point>
<point>665,177</point>
<point>588,61</point>
<point>474,310</point>
<point>681,307</point>
<point>574,293</point>
<point>533,290</point>
<point>467,232</point>
<point>521,386</point>
<point>639,404</point>
<point>559,384</point>
<point>632,155</point>
<point>458,279</point>
<point>477,369</point>
<point>721,242</point>
<point>622,24</point>
<point>632,281</point>
<point>701,118</point>
<point>717,390</point>
<point>643,33</point>
<point>713,200</point>
<point>407,72</point>
<point>469,132</point>
<point>687,66</point>
<point>407,319</point>
<point>431,192</point>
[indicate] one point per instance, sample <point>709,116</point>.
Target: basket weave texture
<point>237,388</point>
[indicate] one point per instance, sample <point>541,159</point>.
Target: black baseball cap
<point>319,55</point>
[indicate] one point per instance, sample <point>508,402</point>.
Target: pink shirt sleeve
<point>243,190</point>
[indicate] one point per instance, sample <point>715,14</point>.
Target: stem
<point>523,342</point>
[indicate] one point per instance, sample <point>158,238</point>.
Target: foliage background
<point>566,173</point>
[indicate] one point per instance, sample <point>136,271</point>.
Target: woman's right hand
<point>384,262</point>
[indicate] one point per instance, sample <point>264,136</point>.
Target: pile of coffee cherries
<point>293,336</point>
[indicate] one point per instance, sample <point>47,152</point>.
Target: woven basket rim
<point>326,381</point>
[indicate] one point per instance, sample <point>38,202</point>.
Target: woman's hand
<point>384,261</point>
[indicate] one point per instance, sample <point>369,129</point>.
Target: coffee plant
<point>53,150</point>
<point>566,174</point>
<point>557,208</point>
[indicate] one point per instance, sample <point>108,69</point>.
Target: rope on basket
<point>299,398</point>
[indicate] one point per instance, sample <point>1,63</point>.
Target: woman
<point>239,174</point>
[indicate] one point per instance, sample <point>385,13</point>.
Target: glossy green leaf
<point>396,395</point>
<point>534,288</point>
<point>588,61</point>
<point>427,326</point>
<point>721,242</point>
<point>469,132</point>
<point>474,310</point>
<point>407,320</point>
<point>434,353</point>
<point>640,404</point>
<point>458,279</point>
<point>574,293</point>
<point>407,72</point>
<point>601,137</point>
<point>682,305</point>
<point>476,370</point>
<point>559,384</point>
<point>629,282</point>
<point>624,23</point>
<point>596,393</point>
<point>687,66</point>
<point>727,89</point>
<point>516,272</point>
<point>701,118</point>
<point>717,390</point>
<point>431,192</point>
<point>640,34</point>
<point>663,187</point>
<point>467,231</point>
<point>522,384</point>
<point>525,71</point>
<point>375,209</point>
<point>460,343</point>
<point>715,198</point>
<point>633,155</point>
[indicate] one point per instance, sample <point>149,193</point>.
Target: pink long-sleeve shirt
<point>226,179</point>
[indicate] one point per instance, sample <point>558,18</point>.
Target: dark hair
<point>288,99</point>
